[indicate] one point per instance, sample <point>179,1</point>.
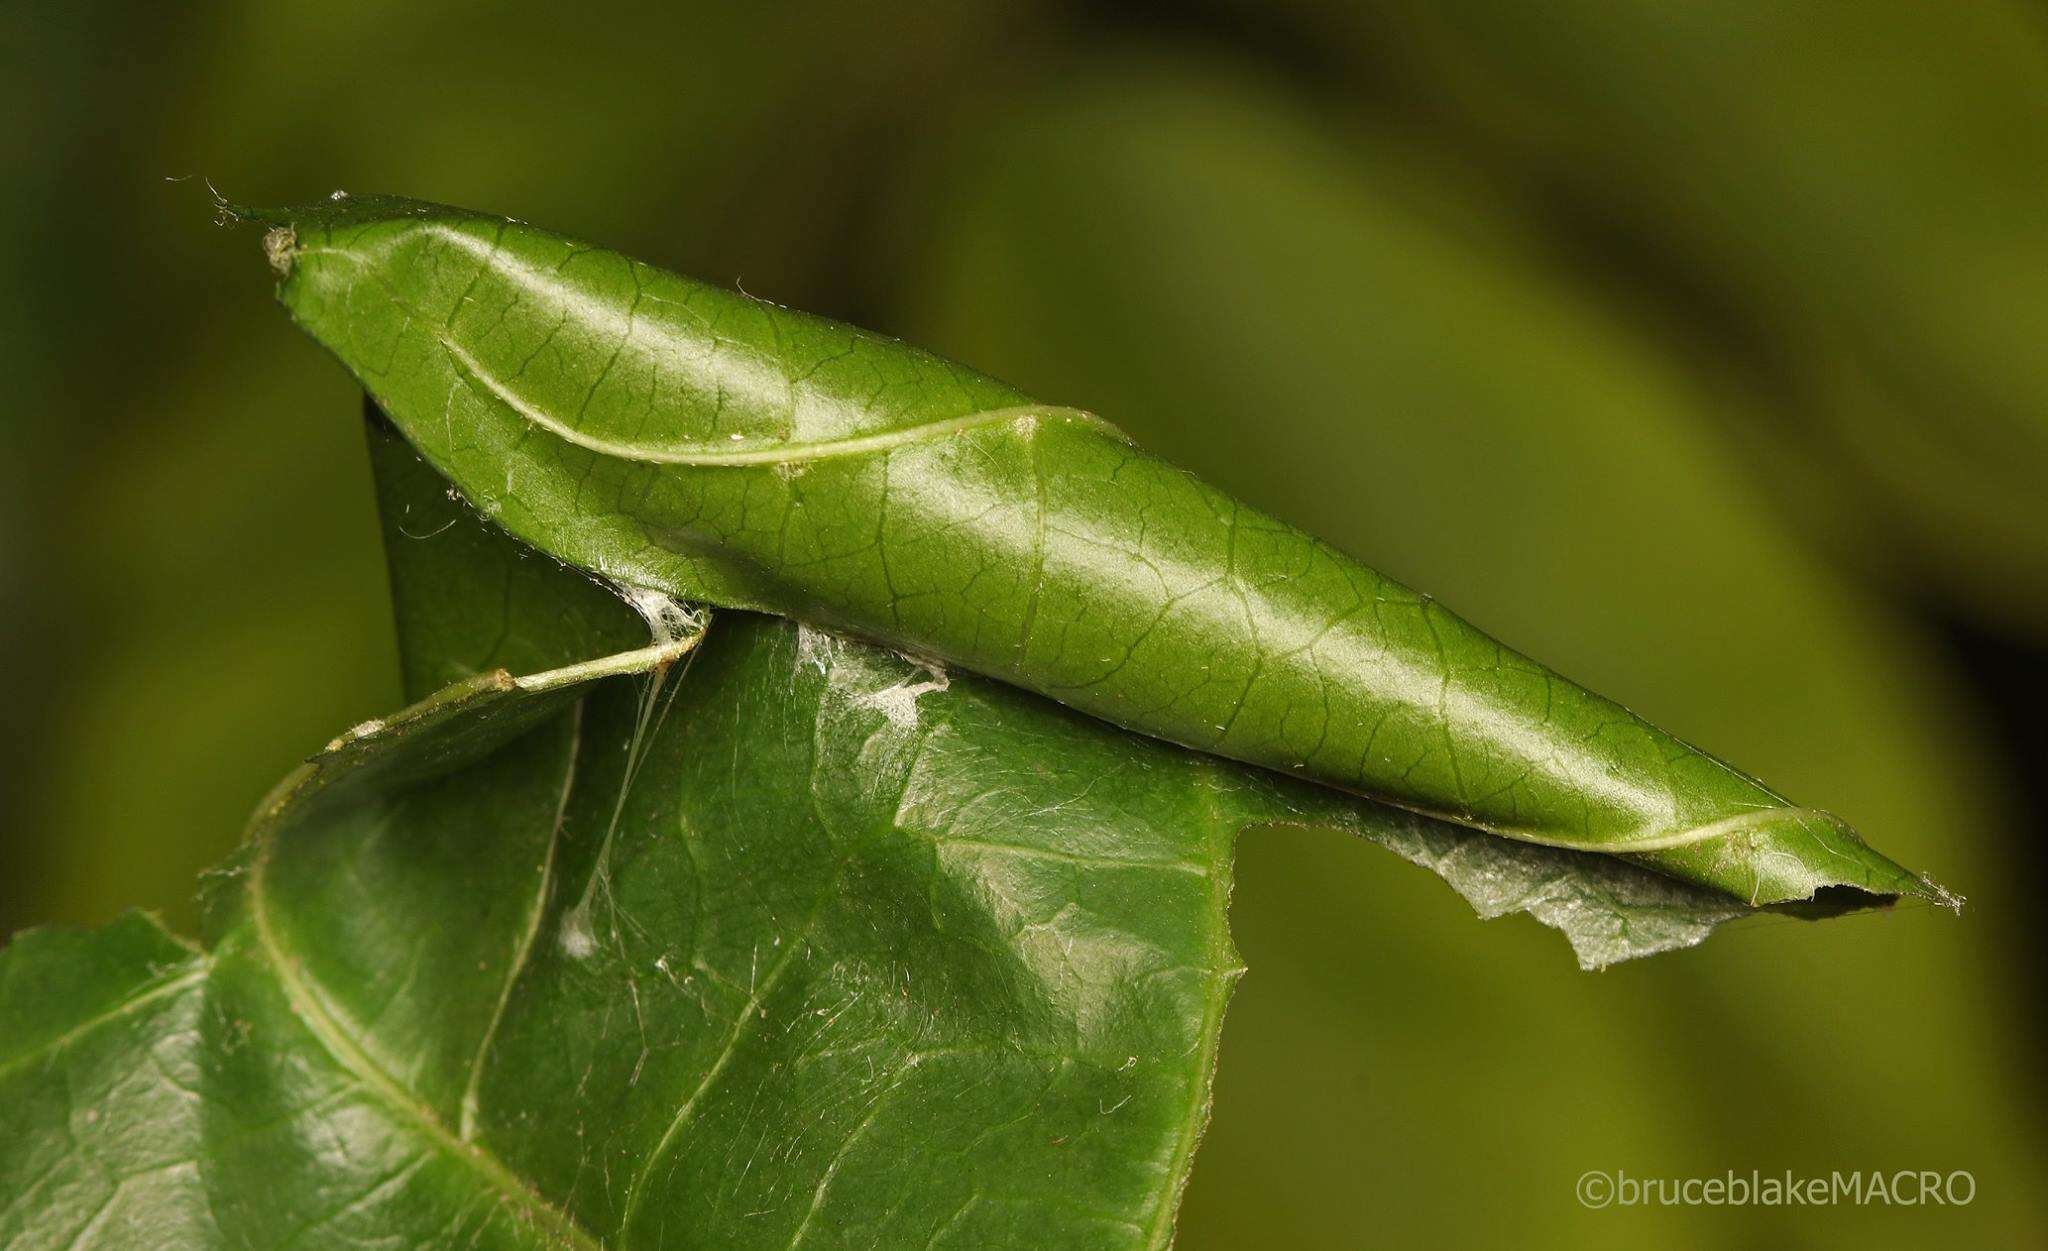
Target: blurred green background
<point>1694,348</point>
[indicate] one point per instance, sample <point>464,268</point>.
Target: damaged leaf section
<point>958,971</point>
<point>665,434</point>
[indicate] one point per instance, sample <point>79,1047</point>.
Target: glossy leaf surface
<point>674,436</point>
<point>767,938</point>
<point>1177,241</point>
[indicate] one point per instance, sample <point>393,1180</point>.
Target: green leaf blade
<point>99,1151</point>
<point>667,435</point>
<point>763,938</point>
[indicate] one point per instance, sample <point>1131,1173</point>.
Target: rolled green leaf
<point>674,437</point>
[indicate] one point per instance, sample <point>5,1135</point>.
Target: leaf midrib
<point>522,950</point>
<point>483,381</point>
<point>354,1059</point>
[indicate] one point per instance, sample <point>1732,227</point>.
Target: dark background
<point>1694,348</point>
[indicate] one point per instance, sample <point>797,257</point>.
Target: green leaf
<point>754,937</point>
<point>674,437</point>
<point>1337,275</point>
